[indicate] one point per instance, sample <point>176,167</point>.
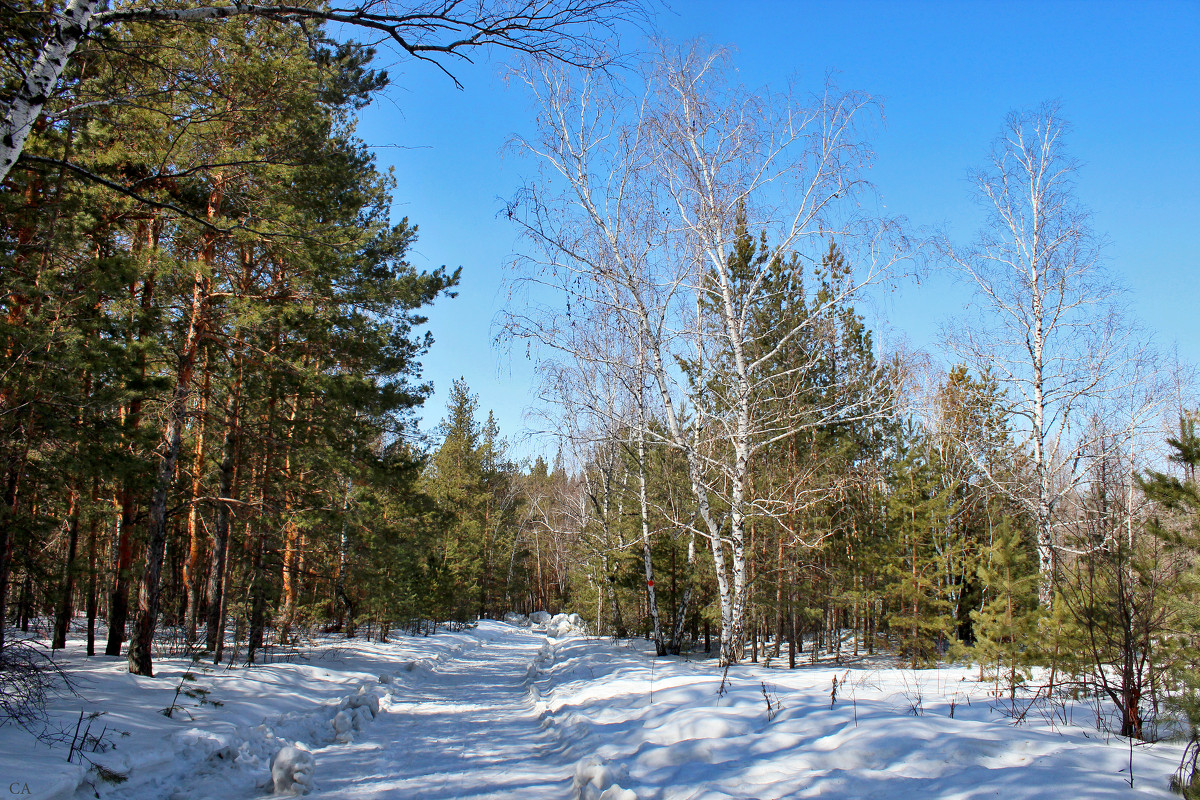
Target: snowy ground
<point>502,711</point>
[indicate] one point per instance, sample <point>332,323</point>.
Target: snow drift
<point>502,711</point>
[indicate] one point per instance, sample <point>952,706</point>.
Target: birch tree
<point>600,394</point>
<point>1048,325</point>
<point>635,217</point>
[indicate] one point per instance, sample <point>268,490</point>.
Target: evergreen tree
<point>256,291</point>
<point>1178,496</point>
<point>471,479</point>
<point>918,516</point>
<point>1006,625</point>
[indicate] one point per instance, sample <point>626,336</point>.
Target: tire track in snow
<point>469,725</point>
<point>593,778</point>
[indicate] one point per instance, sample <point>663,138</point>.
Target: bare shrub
<point>28,677</point>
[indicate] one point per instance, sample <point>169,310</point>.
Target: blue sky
<point>1127,75</point>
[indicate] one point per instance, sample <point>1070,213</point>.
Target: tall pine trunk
<point>118,600</point>
<point>7,541</point>
<point>218,555</point>
<point>92,593</point>
<point>149,590</point>
<point>62,617</point>
<point>192,572</point>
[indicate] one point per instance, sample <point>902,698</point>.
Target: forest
<point>212,342</point>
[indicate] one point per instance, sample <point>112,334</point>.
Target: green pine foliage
<point>1177,527</point>
<point>244,313</point>
<point>918,522</point>
<point>1006,624</point>
<point>478,490</point>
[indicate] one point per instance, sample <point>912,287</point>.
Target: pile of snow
<point>763,733</point>
<point>280,746</point>
<point>353,714</point>
<point>292,771</point>
<point>556,626</point>
<point>595,780</point>
<point>561,625</point>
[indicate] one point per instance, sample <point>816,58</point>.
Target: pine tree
<point>918,515</point>
<point>1006,625</point>
<point>471,480</point>
<point>258,293</point>
<point>1178,528</point>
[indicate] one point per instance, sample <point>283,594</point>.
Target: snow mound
<point>281,744</point>
<point>191,763</point>
<point>717,724</point>
<point>292,771</point>
<point>327,725</point>
<point>562,625</point>
<point>428,664</point>
<point>354,712</point>
<point>595,780</point>
<point>557,626</point>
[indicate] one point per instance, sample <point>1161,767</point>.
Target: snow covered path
<point>500,711</point>
<point>468,727</point>
<point>513,715</point>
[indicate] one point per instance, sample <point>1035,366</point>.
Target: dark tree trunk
<point>118,602</point>
<point>62,617</point>
<point>258,601</point>
<point>92,594</point>
<point>792,629</point>
<point>215,590</point>
<point>7,537</point>
<point>150,588</point>
<point>25,603</point>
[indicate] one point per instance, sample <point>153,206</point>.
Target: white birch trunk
<point>70,27</point>
<point>641,235</point>
<point>647,562</point>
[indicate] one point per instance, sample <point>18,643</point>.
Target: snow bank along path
<point>466,726</point>
<point>505,712</point>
